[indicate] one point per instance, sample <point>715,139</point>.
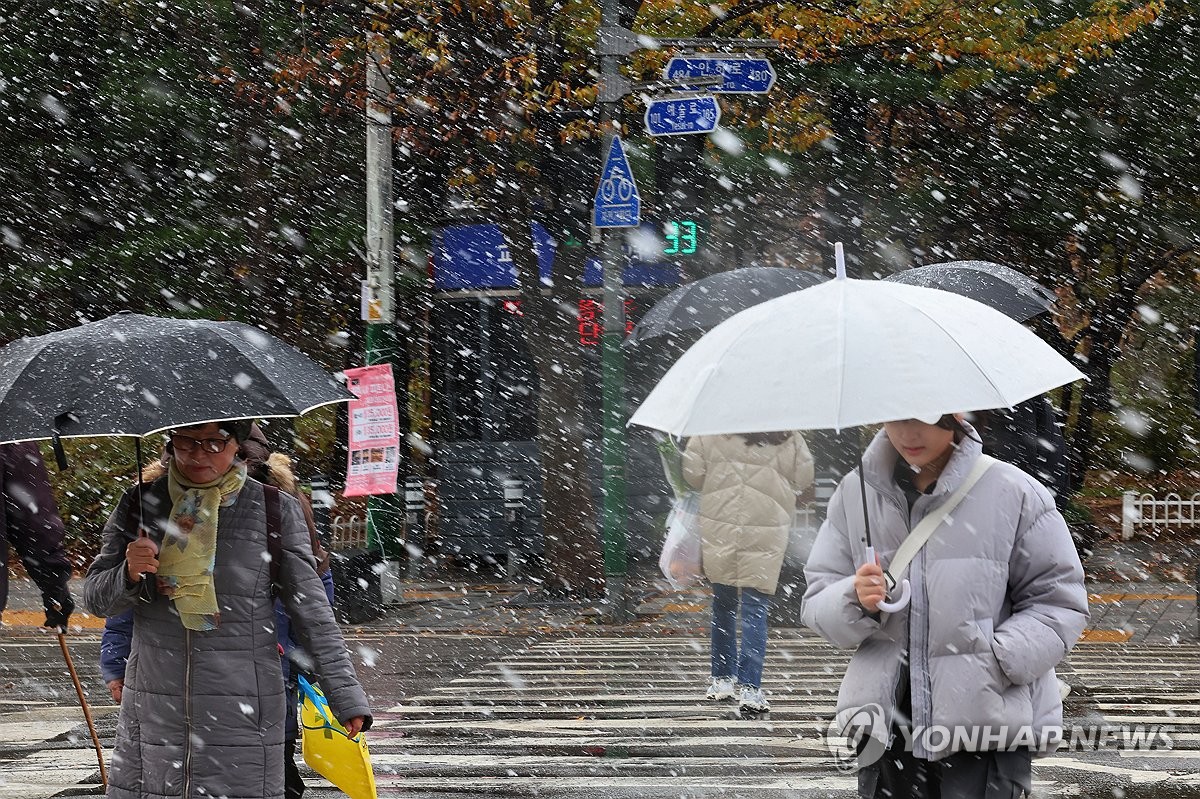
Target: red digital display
<point>590,321</point>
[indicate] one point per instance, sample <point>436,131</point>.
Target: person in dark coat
<point>272,468</point>
<point>1029,436</point>
<point>203,711</point>
<point>30,524</point>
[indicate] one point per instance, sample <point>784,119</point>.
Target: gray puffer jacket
<point>997,600</point>
<point>203,712</point>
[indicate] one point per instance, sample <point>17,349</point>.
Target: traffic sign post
<point>618,205</point>
<point>739,74</point>
<point>682,116</point>
<point>617,201</point>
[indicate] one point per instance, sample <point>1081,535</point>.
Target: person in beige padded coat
<point>748,485</point>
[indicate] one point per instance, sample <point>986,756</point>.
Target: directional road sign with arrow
<point>742,74</point>
<point>679,116</point>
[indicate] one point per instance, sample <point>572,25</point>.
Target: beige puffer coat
<point>747,500</point>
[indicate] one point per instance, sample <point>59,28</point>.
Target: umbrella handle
<point>87,713</point>
<point>905,588</point>
<point>901,603</point>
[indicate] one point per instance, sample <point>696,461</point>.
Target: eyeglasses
<point>188,444</point>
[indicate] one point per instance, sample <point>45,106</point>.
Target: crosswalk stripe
<point>563,717</point>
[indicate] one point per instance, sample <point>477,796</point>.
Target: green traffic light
<point>682,237</point>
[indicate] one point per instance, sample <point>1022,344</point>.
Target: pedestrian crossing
<point>583,716</point>
<point>565,716</point>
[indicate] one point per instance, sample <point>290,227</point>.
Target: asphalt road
<point>565,715</point>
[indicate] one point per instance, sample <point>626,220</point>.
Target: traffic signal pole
<point>613,444</point>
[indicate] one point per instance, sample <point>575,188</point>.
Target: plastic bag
<point>329,751</point>
<point>681,559</point>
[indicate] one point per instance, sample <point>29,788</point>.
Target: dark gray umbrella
<point>703,304</point>
<point>1005,289</point>
<point>132,375</point>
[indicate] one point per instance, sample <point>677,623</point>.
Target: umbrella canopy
<point>703,304</point>
<point>1007,290</point>
<point>132,375</point>
<point>851,352</point>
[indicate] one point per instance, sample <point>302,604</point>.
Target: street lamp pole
<point>612,361</point>
<point>383,512</point>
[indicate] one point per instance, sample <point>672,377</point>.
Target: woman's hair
<point>772,439</point>
<point>950,422</point>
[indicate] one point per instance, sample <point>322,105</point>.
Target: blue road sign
<point>679,116</point>
<point>742,74</point>
<point>617,200</point>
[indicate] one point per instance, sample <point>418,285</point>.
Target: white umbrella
<point>851,352</point>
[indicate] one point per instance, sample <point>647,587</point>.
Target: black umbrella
<point>703,304</point>
<point>132,375</point>
<point>1005,289</point>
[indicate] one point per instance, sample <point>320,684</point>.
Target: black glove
<point>59,613</point>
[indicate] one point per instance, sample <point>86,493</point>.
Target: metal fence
<point>1147,510</point>
<point>348,532</point>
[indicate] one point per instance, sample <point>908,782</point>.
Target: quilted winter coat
<point>747,501</point>
<point>203,712</point>
<point>997,600</point>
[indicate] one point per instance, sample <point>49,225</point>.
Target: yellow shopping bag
<point>329,751</point>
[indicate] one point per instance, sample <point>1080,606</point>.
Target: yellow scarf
<point>189,548</point>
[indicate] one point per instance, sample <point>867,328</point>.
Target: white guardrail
<point>348,532</point>
<point>1145,509</point>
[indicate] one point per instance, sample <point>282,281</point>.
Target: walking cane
<point>87,713</point>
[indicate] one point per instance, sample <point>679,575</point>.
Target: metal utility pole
<point>383,512</point>
<point>612,360</point>
<point>617,206</point>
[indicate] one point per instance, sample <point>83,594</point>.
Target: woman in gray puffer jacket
<point>202,713</point>
<point>962,679</point>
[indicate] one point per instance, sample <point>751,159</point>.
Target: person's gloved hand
<point>59,613</point>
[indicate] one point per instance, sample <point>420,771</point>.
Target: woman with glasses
<point>202,711</point>
<point>952,694</point>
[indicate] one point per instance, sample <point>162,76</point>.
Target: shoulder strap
<point>274,534</point>
<point>924,529</point>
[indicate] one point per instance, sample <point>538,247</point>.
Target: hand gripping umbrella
<point>851,352</point>
<point>133,375</point>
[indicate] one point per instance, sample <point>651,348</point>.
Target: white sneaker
<point>753,700</point>
<point>722,688</point>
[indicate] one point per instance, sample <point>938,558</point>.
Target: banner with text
<point>374,445</point>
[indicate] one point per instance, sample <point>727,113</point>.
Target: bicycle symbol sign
<point>617,201</point>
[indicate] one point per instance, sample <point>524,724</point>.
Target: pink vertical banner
<point>374,445</point>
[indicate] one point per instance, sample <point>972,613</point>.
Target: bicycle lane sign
<point>617,201</point>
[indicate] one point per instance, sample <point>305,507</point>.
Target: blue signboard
<point>617,200</point>
<point>473,257</point>
<point>741,74</point>
<point>680,116</point>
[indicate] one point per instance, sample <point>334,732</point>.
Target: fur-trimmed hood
<point>277,471</point>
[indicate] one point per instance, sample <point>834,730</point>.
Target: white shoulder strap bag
<point>922,533</point>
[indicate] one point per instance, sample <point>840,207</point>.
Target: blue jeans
<point>725,656</point>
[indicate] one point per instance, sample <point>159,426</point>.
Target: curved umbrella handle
<point>902,602</point>
<point>905,589</point>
